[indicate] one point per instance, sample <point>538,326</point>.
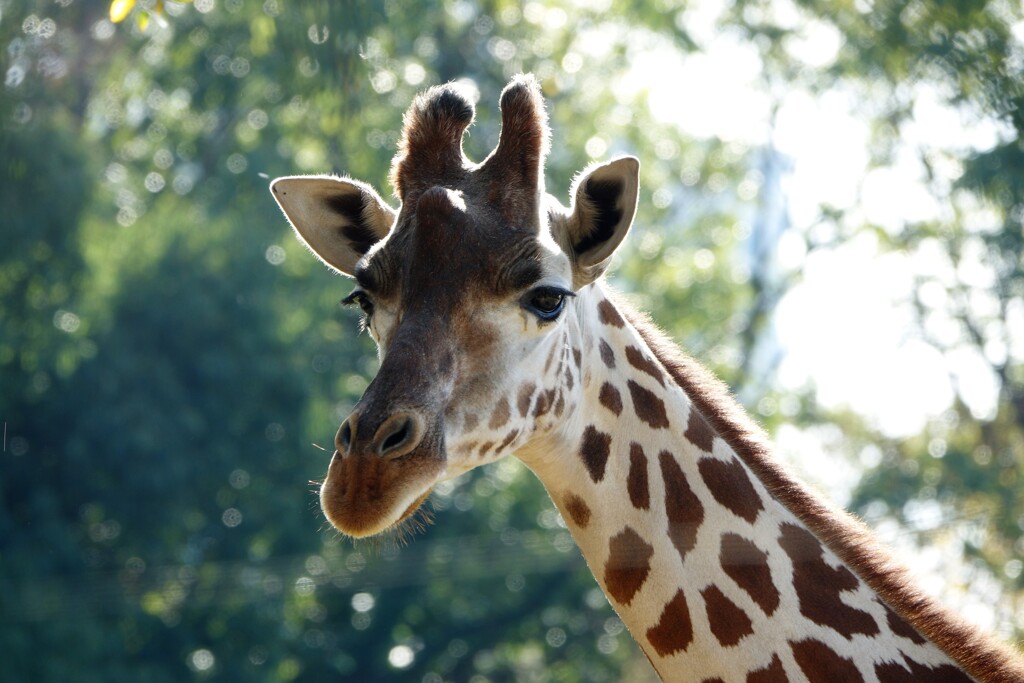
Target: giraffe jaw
<point>411,510</point>
<point>363,497</point>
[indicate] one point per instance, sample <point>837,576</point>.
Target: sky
<point>848,327</point>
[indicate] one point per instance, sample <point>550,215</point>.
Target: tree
<point>959,64</point>
<point>172,352</point>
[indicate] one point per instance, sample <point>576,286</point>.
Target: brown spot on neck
<point>641,362</point>
<point>892,672</point>
<point>579,511</point>
<point>608,315</point>
<point>674,630</point>
<point>728,622</point>
<point>773,673</point>
<point>683,509</point>
<point>747,565</point>
<point>636,481</point>
<point>648,406</point>
<point>629,563</point>
<point>729,484</point>
<point>901,628</point>
<point>698,432</point>
<point>607,355</point>
<point>818,585</point>
<point>821,664</point>
<point>594,451</point>
<point>610,398</point>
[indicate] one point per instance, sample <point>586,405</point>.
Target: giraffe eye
<point>546,302</point>
<point>359,298</point>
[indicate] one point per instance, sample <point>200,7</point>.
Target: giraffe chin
<point>411,510</point>
<point>364,497</point>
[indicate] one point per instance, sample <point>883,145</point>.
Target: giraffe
<point>497,335</point>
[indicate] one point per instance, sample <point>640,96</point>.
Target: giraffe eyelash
<point>547,302</point>
<point>360,298</point>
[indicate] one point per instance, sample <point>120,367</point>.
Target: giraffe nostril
<point>398,436</point>
<point>343,442</point>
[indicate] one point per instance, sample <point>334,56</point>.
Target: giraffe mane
<point>982,656</point>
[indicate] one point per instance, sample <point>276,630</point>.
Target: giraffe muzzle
<point>391,449</point>
<point>383,469</point>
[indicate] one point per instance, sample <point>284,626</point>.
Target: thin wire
<point>458,558</point>
<point>222,582</point>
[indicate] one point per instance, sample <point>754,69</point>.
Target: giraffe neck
<point>715,577</point>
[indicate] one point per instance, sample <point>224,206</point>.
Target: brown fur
<point>430,152</point>
<point>747,565</point>
<point>730,486</point>
<point>981,656</point>
<point>636,482</point>
<point>682,507</point>
<point>515,170</point>
<point>578,510</point>
<point>629,563</point>
<point>674,630</point>
<point>594,451</point>
<point>728,622</point>
<point>821,664</point>
<point>648,406</point>
<point>511,178</point>
<point>773,673</point>
<point>610,398</point>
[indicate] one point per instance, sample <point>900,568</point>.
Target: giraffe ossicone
<point>497,336</point>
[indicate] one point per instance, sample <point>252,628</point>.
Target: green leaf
<point>120,9</point>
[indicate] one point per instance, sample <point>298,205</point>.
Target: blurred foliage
<point>168,352</point>
<point>967,467</point>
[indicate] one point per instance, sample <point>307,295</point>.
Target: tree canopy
<point>173,364</point>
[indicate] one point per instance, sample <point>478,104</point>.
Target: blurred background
<point>830,217</point>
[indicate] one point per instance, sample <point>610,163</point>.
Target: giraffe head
<point>468,292</point>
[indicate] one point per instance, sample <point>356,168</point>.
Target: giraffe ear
<point>339,219</point>
<point>603,206</point>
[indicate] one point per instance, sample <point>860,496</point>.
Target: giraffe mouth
<point>364,496</point>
